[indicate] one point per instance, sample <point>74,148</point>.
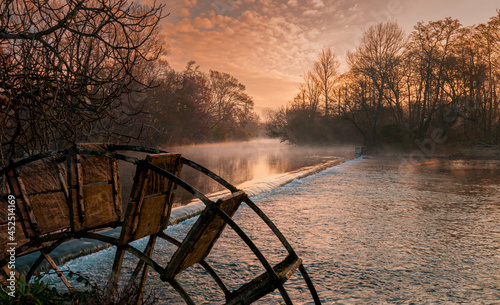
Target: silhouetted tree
<point>325,70</point>
<point>377,57</point>
<point>430,47</point>
<point>439,83</point>
<point>175,111</point>
<point>64,66</point>
<point>230,108</point>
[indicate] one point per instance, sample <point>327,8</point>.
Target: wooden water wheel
<point>76,193</point>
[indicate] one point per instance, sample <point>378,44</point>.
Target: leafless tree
<point>489,44</point>
<point>438,83</point>
<point>325,70</point>
<point>376,57</point>
<point>430,47</point>
<point>309,94</point>
<point>65,64</point>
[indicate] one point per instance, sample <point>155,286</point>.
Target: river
<point>240,162</point>
<point>371,231</point>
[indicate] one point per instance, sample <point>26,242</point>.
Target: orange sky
<point>268,45</point>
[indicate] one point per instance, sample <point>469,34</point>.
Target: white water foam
<point>81,247</point>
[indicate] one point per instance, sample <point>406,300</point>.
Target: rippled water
<point>379,231</point>
<point>370,231</point>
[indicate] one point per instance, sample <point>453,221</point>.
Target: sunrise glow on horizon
<point>268,45</point>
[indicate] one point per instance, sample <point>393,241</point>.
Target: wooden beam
<point>79,189</point>
<point>59,272</point>
<point>116,188</point>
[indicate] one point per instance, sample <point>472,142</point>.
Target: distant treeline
<point>439,82</point>
<point>79,71</point>
<point>186,107</point>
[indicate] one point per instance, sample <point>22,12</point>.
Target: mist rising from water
<point>242,161</point>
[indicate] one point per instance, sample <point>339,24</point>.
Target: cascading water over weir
<point>76,193</point>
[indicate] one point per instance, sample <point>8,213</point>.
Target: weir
<point>76,193</point>
<point>75,248</point>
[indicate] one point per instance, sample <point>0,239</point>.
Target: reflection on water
<point>238,162</point>
<point>371,231</point>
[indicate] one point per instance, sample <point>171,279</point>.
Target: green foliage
<point>41,293</point>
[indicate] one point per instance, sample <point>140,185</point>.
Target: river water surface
<point>370,231</point>
<point>240,162</point>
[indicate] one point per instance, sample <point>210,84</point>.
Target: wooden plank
<point>140,200</point>
<point>16,191</point>
<point>72,201</point>
<point>60,171</point>
<point>48,247</point>
<point>263,284</point>
<point>79,189</point>
<point>130,222</point>
<point>147,251</point>
<point>43,203</point>
<point>151,198</point>
<point>52,212</point>
<point>96,169</point>
<point>28,206</point>
<point>169,196</point>
<point>63,181</point>
<point>99,206</point>
<point>149,218</point>
<point>23,204</point>
<point>144,267</point>
<point>116,188</point>
<point>20,239</point>
<point>115,274</point>
<point>40,176</point>
<point>95,189</point>
<point>202,235</point>
<point>5,275</point>
<point>20,236</point>
<point>59,273</point>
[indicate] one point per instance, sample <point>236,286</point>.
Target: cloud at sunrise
<point>268,45</point>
